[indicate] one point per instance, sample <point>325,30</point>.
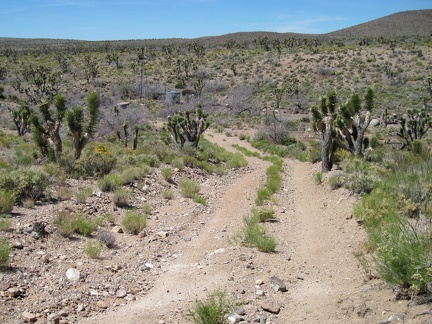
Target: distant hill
<point>406,23</point>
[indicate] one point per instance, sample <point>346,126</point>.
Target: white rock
<point>73,275</point>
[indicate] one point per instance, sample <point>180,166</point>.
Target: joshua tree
<point>21,118</point>
<point>183,127</point>
<point>414,125</point>
<point>75,123</point>
<point>323,119</point>
<point>46,128</point>
<point>351,123</point>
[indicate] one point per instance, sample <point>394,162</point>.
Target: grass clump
<point>93,248</point>
<point>189,188</point>
<point>5,250</point>
<point>213,310</point>
<point>65,223</point>
<point>82,194</point>
<point>5,224</point>
<point>84,225</point>
<point>200,200</point>
<point>121,197</point>
<point>167,174</point>
<point>7,201</point>
<point>134,222</point>
<point>263,214</point>
<point>168,194</point>
<point>110,182</point>
<point>255,235</point>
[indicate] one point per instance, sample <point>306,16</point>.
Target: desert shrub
<point>5,224</point>
<point>130,174</point>
<point>84,225</point>
<point>7,201</point>
<point>236,161</point>
<point>167,173</point>
<point>336,181</point>
<point>65,223</point>
<point>263,214</point>
<point>213,310</point>
<point>109,217</point>
<point>93,248</point>
<point>107,238</point>
<point>82,194</point>
<point>63,193</point>
<point>200,200</point>
<point>255,235</point>
<point>121,197</point>
<point>25,183</point>
<point>134,222</point>
<point>318,177</point>
<point>110,182</point>
<point>146,209</point>
<point>5,251</point>
<point>95,161</point>
<point>189,188</point>
<point>168,194</point>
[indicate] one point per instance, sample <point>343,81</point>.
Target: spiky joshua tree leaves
<point>46,128</point>
<point>188,126</point>
<point>21,118</point>
<point>352,122</point>
<point>75,122</point>
<point>323,119</point>
<point>413,126</point>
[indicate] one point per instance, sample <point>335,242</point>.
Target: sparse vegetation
<point>5,251</point>
<point>212,310</point>
<point>134,221</point>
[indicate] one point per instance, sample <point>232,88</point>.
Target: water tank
<point>173,97</point>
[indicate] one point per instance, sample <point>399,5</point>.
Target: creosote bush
<point>5,251</point>
<point>189,188</point>
<point>134,221</point>
<point>7,201</point>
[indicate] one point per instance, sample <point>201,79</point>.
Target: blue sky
<point>144,19</point>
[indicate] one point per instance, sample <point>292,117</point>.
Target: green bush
<point>84,225</point>
<point>65,223</point>
<point>95,161</point>
<point>93,248</point>
<point>29,182</point>
<point>121,197</point>
<point>213,310</point>
<point>110,182</point>
<point>82,194</point>
<point>167,174</point>
<point>5,251</point>
<point>336,181</point>
<point>189,188</point>
<point>200,200</point>
<point>5,224</point>
<point>134,222</point>
<point>168,194</point>
<point>7,201</point>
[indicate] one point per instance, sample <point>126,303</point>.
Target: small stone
<point>270,307</point>
<point>101,304</point>
<point>14,292</point>
<point>235,318</point>
<point>17,245</point>
<point>73,275</point>
<point>28,317</point>
<point>162,234</point>
<point>93,292</point>
<point>121,293</point>
<point>277,284</point>
<point>117,229</point>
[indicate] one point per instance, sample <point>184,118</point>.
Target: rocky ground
<point>189,250</point>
